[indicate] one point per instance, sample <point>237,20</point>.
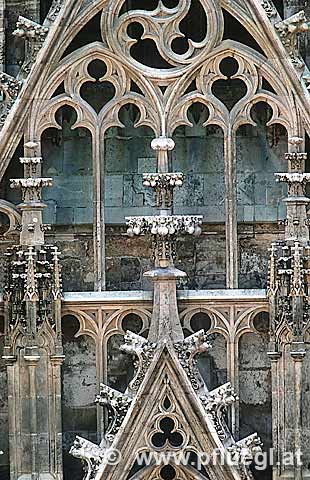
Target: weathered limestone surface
<point>83,196</point>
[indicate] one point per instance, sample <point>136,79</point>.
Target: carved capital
<point>164,185</point>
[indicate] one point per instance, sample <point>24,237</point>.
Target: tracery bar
<point>231,209</point>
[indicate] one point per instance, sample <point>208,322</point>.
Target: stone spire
<point>33,338</point>
<point>32,231</point>
<point>289,298</point>
<point>164,230</point>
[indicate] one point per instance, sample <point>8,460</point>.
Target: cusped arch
<point>72,71</point>
<point>244,323</point>
<point>219,322</point>
<point>88,326</point>
<point>114,325</point>
<point>252,69</point>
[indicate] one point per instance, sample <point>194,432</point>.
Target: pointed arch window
<point>159,73</point>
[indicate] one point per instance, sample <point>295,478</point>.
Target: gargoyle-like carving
<point>144,352</point>
<point>243,452</point>
<point>9,90</point>
<point>90,454</point>
<point>289,30</point>
<point>187,351</point>
<point>216,404</point>
<point>35,35</point>
<point>117,404</point>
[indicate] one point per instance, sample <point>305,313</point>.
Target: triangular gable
<point>166,415</point>
<point>165,379</point>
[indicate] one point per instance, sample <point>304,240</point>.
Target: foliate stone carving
<point>164,230</point>
<point>26,28</point>
<point>164,226</point>
<point>32,275</point>
<point>54,10</point>
<point>144,352</point>
<point>90,454</point>
<point>9,90</point>
<point>243,452</point>
<point>31,187</point>
<point>269,8</point>
<point>187,350</point>
<point>289,30</point>
<point>117,404</point>
<point>216,404</point>
<point>163,185</point>
<point>35,35</point>
<point>296,161</point>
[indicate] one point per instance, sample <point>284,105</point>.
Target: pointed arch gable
<point>164,371</point>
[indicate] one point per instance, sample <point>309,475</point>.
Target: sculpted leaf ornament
<point>144,352</point>
<point>216,404</point>
<point>187,351</point>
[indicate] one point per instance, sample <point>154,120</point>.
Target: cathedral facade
<point>154,239</point>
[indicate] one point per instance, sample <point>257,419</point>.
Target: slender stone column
<point>275,357</point>
<point>298,355</point>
